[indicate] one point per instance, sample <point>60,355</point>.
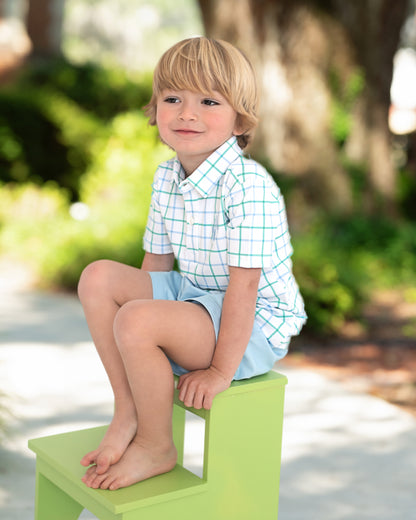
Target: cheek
<point>225,121</point>
<point>162,120</point>
<point>221,123</point>
<point>160,116</point>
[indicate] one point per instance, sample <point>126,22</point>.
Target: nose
<point>188,111</point>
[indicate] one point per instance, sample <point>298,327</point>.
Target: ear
<point>239,127</point>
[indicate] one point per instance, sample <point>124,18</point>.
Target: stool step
<point>59,457</point>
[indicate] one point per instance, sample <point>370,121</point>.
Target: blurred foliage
<point>407,192</point>
<point>104,92</point>
<point>76,133</point>
<point>338,262</point>
<point>30,147</point>
<point>36,223</point>
<point>344,96</point>
<point>50,119</point>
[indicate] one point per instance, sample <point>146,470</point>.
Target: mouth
<point>187,132</point>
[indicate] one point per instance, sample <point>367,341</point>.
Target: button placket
<point>189,219</point>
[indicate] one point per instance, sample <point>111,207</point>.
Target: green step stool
<point>242,453</point>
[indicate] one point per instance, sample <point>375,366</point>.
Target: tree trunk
<point>44,26</point>
<point>310,57</point>
<point>374,31</point>
<point>14,44</point>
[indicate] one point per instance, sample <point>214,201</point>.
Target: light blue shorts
<point>259,356</point>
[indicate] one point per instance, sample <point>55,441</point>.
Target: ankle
<point>159,444</point>
<point>125,410</point>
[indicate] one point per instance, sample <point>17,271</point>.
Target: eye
<point>210,102</point>
<point>171,99</point>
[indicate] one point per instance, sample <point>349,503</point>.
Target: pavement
<point>346,455</point>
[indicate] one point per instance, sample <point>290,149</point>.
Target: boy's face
<point>194,124</point>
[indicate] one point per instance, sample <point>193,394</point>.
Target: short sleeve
<point>256,216</point>
<point>156,239</point>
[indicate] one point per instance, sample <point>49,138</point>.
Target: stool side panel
<point>51,502</point>
<point>243,453</point>
<point>178,429</point>
<point>80,494</point>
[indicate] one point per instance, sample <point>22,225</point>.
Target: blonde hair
<point>204,65</point>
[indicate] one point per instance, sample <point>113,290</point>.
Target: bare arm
<point>152,262</point>
<point>237,320</point>
<point>199,388</point>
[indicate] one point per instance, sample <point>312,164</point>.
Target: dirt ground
<point>378,356</point>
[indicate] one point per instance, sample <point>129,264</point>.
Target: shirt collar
<point>207,175</point>
<point>178,173</point>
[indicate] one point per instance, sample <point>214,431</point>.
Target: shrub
<point>329,283</point>
<point>117,190</point>
<point>44,136</point>
<point>102,91</point>
<point>37,224</point>
<point>340,261</point>
<point>52,115</point>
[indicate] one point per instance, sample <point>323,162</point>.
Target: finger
<point>208,402</point>
<point>186,394</point>
<point>180,382</point>
<point>182,379</point>
<point>188,400</point>
<point>183,391</point>
<point>198,400</point>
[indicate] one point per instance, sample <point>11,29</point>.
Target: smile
<point>186,132</point>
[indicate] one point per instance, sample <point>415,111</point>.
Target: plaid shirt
<point>229,212</point>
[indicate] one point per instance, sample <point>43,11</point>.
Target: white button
<point>191,221</point>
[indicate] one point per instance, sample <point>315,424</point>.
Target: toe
<point>104,461</point>
<point>107,482</point>
<point>114,486</point>
<point>90,476</point>
<point>98,481</point>
<point>89,458</point>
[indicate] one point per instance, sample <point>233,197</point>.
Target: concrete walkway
<point>346,456</point>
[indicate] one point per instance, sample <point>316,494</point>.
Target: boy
<point>231,310</point>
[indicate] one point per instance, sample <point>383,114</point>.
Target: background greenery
<point>100,155</point>
<point>77,159</point>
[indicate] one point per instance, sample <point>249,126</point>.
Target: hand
<point>198,388</point>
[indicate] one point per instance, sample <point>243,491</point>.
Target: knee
<point>132,324</point>
<point>92,279</point>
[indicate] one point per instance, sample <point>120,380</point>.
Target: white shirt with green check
<point>229,212</point>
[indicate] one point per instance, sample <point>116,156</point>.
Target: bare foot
<point>139,462</point>
<point>115,442</point>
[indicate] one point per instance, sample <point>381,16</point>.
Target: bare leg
<point>103,288</point>
<point>145,332</point>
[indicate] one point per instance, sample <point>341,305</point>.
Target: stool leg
<point>52,503</point>
<point>178,424</point>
